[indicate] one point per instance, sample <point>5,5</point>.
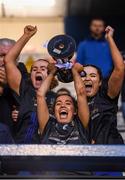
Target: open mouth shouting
<point>63,114</point>
<point>88,87</point>
<point>38,80</point>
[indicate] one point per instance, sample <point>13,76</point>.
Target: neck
<point>96,36</point>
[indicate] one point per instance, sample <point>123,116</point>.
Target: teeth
<point>88,85</point>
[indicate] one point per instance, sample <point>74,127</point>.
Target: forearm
<point>46,85</point>
<point>83,110</point>
<point>42,109</point>
<point>116,55</point>
<point>117,76</point>
<point>42,112</point>
<point>13,74</point>
<point>16,49</point>
<point>78,83</point>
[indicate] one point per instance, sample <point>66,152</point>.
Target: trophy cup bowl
<point>61,48</point>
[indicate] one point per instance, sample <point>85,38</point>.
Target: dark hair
<point>62,90</point>
<point>98,70</point>
<point>98,18</point>
<point>73,99</point>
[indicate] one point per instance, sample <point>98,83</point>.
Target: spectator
<point>95,49</point>
<point>6,99</point>
<point>26,125</point>
<point>66,127</point>
<point>5,135</point>
<point>103,98</point>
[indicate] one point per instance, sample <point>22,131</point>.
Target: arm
<point>117,76</point>
<point>42,109</point>
<point>83,109</point>
<point>13,74</point>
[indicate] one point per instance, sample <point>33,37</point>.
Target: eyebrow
<point>40,67</point>
<point>93,74</point>
<point>65,101</point>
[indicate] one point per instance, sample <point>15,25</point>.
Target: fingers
<point>2,71</point>
<point>15,115</point>
<point>52,68</point>
<point>2,75</point>
<point>109,31</point>
<point>30,30</point>
<point>78,67</point>
<point>109,28</point>
<point>51,60</point>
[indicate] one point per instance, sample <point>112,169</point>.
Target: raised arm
<point>13,74</point>
<point>117,76</point>
<point>83,109</point>
<point>42,109</point>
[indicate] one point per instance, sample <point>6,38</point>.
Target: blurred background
<point>57,17</point>
<point>54,17</point>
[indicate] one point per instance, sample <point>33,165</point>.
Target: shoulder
<point>24,89</point>
<point>104,92</point>
<point>83,43</point>
<point>51,122</point>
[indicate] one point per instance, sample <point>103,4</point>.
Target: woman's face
<point>91,81</point>
<point>64,109</point>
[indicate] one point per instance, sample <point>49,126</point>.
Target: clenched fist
<point>52,68</point>
<point>30,30</point>
<point>109,32</point>
<point>78,67</point>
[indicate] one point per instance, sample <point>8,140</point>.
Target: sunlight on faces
<point>92,81</point>
<point>64,109</point>
<point>97,27</point>
<point>38,73</point>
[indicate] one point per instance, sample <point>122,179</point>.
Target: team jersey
<point>26,130</point>
<point>103,118</point>
<point>70,133</point>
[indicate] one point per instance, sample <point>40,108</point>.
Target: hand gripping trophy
<point>62,48</point>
